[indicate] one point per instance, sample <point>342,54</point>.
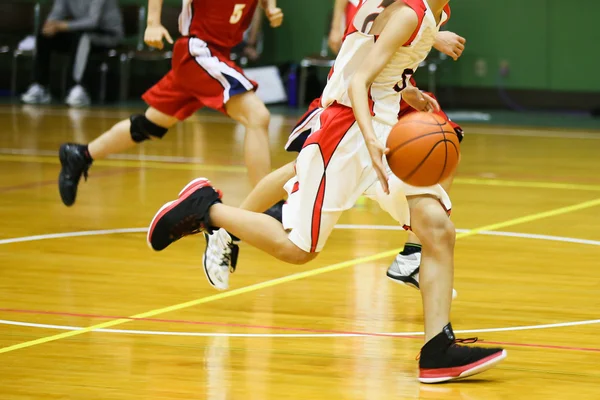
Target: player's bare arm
<point>400,25</point>
<point>273,13</point>
<point>336,33</point>
<point>155,31</point>
<point>450,44</point>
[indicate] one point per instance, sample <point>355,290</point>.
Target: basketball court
<point>88,311</point>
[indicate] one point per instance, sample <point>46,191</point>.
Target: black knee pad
<point>143,129</point>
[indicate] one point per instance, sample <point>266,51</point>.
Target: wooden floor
<point>287,332</point>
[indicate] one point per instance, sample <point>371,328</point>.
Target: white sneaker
<point>405,270</point>
<point>36,94</point>
<point>78,97</point>
<point>220,258</point>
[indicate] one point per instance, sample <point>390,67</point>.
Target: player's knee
<point>439,231</point>
<point>295,255</point>
<point>259,117</point>
<point>143,129</point>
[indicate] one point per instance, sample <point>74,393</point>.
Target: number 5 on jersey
<point>238,10</point>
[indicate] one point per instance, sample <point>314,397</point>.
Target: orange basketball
<point>424,149</point>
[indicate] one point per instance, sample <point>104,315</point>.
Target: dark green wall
<point>547,44</point>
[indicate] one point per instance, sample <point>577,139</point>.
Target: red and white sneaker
<point>187,215</point>
<point>442,359</point>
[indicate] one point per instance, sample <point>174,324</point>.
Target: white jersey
<point>385,90</point>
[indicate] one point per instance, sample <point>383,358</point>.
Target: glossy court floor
<point>89,312</point>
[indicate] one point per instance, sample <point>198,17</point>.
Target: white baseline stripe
<point>341,226</point>
<point>291,121</point>
<point>295,335</point>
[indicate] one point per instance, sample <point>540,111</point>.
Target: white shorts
<point>333,170</point>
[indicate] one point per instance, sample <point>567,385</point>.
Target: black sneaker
<point>276,211</point>
<point>73,163</point>
<point>185,216</point>
<point>442,359</point>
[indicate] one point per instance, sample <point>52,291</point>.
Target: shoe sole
<point>401,281</point>
<point>62,156</point>
<point>187,191</point>
<point>476,368</point>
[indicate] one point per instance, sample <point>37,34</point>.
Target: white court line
<point>49,236</point>
<point>492,129</point>
<point>295,335</point>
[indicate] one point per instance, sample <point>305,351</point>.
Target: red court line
<point>31,185</point>
<point>287,328</point>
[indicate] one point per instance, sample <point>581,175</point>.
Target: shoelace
<point>462,341</point>
<point>226,258</point>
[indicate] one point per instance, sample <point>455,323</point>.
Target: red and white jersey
<point>220,23</point>
<point>385,90</point>
<point>351,9</point>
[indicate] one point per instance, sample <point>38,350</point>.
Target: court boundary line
<point>293,277</point>
<point>100,232</point>
<point>314,334</point>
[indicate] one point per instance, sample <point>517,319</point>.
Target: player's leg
<point>222,249</point>
<point>76,159</point>
<point>441,359</point>
<point>198,208</point>
<point>325,184</point>
<point>405,267</point>
<point>250,111</point>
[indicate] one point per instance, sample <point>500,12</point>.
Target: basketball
<point>424,149</point>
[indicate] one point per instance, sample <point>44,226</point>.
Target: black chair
<point>18,20</point>
<point>143,53</point>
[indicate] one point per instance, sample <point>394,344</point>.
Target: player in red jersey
<point>202,75</point>
<point>343,13</point>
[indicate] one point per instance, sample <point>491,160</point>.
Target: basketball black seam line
<point>455,148</point>
<point>445,159</point>
<point>422,161</point>
<point>392,151</point>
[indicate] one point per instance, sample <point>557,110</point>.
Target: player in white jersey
<point>343,159</point>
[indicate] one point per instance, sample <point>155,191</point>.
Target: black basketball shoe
<point>185,216</point>
<point>442,359</point>
<point>74,162</point>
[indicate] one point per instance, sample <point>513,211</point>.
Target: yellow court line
<point>294,277</point>
<point>188,166</point>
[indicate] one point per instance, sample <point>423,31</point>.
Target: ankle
<point>441,340</point>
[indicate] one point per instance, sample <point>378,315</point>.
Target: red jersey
<point>221,23</point>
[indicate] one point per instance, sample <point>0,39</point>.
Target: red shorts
<point>200,76</point>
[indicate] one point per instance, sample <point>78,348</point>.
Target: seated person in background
<point>76,27</point>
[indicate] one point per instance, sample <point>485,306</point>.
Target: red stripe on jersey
<point>448,13</point>
<point>418,7</point>
<point>296,187</point>
<point>316,216</point>
<point>336,120</point>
